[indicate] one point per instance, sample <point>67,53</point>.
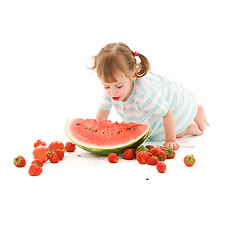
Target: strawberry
<point>153,160</point>
<point>69,147</point>
<point>160,154</point>
<point>128,154</point>
<point>37,162</point>
<point>54,158</point>
<point>41,152</point>
<point>189,160</point>
<point>39,143</point>
<point>142,157</point>
<point>141,148</point>
<point>150,154</point>
<point>170,153</point>
<point>113,158</point>
<point>35,170</point>
<point>60,153</point>
<point>162,148</point>
<point>56,145</point>
<point>149,147</point>
<point>19,161</point>
<point>161,167</point>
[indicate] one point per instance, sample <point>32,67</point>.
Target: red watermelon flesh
<point>105,136</point>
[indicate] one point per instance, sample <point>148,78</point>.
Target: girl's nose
<point>113,91</point>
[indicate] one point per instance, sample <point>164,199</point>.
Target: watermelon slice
<point>105,137</point>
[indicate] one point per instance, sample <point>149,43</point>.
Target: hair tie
<point>136,54</point>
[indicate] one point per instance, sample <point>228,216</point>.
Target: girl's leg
<point>197,127</point>
<point>192,129</point>
<point>201,118</point>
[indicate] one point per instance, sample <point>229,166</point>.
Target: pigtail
<point>94,60</point>
<point>143,66</point>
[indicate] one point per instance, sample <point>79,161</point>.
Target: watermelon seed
<point>129,128</point>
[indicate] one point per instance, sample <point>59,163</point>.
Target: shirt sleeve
<point>155,103</point>
<point>106,102</point>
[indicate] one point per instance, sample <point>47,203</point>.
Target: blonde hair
<point>116,57</point>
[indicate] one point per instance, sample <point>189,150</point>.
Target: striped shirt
<point>149,102</point>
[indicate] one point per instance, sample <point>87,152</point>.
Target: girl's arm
<point>102,114</point>
<point>170,132</point>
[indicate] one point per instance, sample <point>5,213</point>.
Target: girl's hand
<point>171,144</point>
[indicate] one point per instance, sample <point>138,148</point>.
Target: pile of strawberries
<point>41,153</point>
<point>151,155</point>
<point>55,152</point>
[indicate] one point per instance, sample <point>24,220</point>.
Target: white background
<point>44,52</point>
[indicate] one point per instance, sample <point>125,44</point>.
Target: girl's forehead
<point>113,83</point>
<point>118,78</point>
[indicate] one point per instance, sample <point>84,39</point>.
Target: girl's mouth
<point>115,98</point>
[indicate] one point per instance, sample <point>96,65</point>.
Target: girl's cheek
<point>108,92</point>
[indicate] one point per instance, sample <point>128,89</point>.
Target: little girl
<point>144,97</point>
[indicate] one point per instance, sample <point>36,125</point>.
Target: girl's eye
<point>120,86</point>
<point>106,87</point>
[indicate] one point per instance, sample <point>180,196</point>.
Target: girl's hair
<point>116,57</point>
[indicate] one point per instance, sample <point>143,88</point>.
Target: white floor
<point>44,81</point>
<point>86,196</point>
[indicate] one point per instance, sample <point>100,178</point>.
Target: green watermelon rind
<point>117,150</point>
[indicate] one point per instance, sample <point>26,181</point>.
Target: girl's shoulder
<point>147,84</point>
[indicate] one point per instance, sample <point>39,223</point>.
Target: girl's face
<point>121,89</point>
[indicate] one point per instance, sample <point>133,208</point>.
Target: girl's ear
<point>133,74</point>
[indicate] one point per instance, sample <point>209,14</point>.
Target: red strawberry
<point>161,167</point>
<point>142,157</point>
<point>162,148</point>
<point>160,154</point>
<point>155,151</point>
<point>56,145</point>
<point>35,170</point>
<point>37,162</point>
<point>149,146</point>
<point>54,158</point>
<point>170,153</point>
<point>38,143</point>
<point>128,154</point>
<point>141,148</point>
<point>189,160</point>
<point>150,154</point>
<point>153,160</point>
<point>113,158</point>
<point>19,161</point>
<point>41,152</point>
<point>60,154</point>
<point>70,147</point>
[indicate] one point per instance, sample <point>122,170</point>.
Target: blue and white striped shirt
<point>149,102</point>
